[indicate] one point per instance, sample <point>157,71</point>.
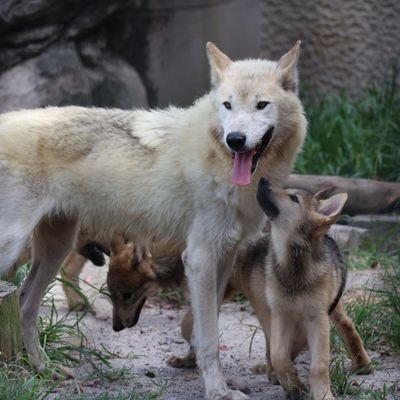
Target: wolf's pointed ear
<point>287,69</point>
<point>331,208</point>
<point>218,62</point>
<point>324,193</point>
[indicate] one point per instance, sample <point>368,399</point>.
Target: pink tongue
<point>241,171</point>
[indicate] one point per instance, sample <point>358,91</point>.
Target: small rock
<point>150,374</point>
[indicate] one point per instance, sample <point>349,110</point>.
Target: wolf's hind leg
<point>52,240</point>
<point>189,361</point>
<point>345,326</point>
<point>20,212</point>
<point>12,243</point>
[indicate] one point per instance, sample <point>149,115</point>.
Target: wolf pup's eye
<point>294,198</point>
<point>262,104</point>
<point>227,105</point>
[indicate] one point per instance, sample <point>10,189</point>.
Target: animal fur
<point>305,278</point>
<point>166,174</point>
<point>131,279</point>
<point>71,268</point>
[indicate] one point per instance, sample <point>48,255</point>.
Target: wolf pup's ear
<point>218,62</point>
<point>117,244</point>
<point>287,69</point>
<point>331,208</point>
<point>324,193</point>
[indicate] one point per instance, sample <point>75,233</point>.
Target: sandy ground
<point>145,349</point>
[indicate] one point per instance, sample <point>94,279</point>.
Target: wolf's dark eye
<point>294,198</point>
<point>262,104</point>
<point>227,105</point>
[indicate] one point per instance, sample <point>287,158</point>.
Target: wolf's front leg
<point>317,327</point>
<point>201,260</point>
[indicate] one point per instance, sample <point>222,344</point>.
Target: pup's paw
<point>259,369</point>
<point>57,372</point>
<point>181,362</point>
<point>362,369</point>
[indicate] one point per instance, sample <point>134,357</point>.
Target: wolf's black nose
<point>236,140</point>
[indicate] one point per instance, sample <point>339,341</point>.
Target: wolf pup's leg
<point>201,260</point>
<point>317,330</point>
<point>259,304</point>
<point>52,240</point>
<point>70,271</point>
<point>189,361</point>
<point>360,362</point>
<point>281,339</point>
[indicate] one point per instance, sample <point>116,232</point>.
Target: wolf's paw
<point>259,369</point>
<point>362,369</point>
<point>181,362</point>
<point>80,306</point>
<point>241,386</point>
<point>77,302</point>
<point>56,372</point>
<point>62,372</point>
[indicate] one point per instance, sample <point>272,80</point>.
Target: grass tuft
<point>354,138</point>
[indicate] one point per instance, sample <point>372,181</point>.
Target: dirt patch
<point>145,349</point>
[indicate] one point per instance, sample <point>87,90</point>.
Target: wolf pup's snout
<point>265,198</point>
<point>236,140</point>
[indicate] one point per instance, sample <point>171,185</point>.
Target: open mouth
<point>245,163</point>
<point>260,148</point>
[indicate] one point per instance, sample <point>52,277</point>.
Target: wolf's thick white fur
<point>163,174</point>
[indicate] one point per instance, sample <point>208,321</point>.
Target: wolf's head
<point>258,109</point>
<point>131,278</point>
<point>297,217</point>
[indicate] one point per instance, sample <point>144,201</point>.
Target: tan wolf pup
<point>134,275</point>
<point>305,279</point>
<point>186,176</point>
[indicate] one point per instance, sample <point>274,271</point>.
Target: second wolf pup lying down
<point>294,278</point>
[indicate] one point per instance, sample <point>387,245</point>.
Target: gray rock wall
<point>56,53</point>
<point>177,63</point>
<point>127,53</point>
<point>347,45</point>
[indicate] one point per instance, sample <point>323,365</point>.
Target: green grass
<point>390,302</point>
<point>18,383</point>
<point>341,379</point>
<point>354,138</point>
<point>376,314</point>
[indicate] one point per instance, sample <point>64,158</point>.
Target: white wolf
<point>188,176</point>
